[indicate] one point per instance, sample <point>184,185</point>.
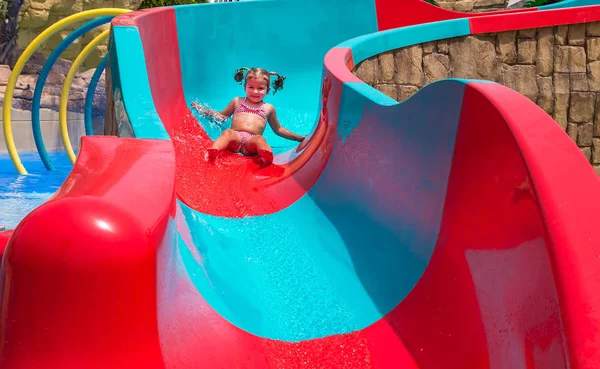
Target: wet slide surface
<point>273,263</point>
<point>236,186</point>
<point>363,236</point>
<point>398,235</point>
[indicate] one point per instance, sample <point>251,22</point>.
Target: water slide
<point>453,230</point>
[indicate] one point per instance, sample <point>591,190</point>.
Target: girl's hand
<point>215,116</point>
<point>197,106</point>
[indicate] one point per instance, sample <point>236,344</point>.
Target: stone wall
<point>474,6</point>
<point>37,15</point>
<point>24,89</point>
<point>558,68</point>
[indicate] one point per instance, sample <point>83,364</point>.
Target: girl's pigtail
<point>278,83</point>
<point>239,74</point>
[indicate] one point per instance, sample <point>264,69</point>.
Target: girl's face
<point>256,89</point>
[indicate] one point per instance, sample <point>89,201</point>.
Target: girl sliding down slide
<point>250,117</point>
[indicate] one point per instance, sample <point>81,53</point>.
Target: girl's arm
<point>281,131</point>
<point>229,109</point>
<point>222,115</point>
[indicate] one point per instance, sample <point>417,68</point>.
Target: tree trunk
<point>110,116</point>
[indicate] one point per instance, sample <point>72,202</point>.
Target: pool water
<point>19,194</point>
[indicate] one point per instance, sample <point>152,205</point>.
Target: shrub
<point>536,3</point>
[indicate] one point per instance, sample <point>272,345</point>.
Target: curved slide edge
<point>501,231</point>
<point>538,329</point>
<point>242,345</point>
<point>495,208</point>
<point>558,255</point>
<point>505,227</point>
<point>464,265</point>
<point>397,14</point>
<point>560,180</point>
<point>78,275</point>
<point>261,190</point>
<point>366,46</point>
<point>190,321</point>
<point>527,20</point>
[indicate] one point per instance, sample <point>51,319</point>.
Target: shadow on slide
<point>440,232</point>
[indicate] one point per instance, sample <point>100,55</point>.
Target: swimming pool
<point>19,195</point>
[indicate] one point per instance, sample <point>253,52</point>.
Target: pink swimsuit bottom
<point>245,137</point>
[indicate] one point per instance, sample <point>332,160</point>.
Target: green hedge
<point>156,3</point>
<point>536,3</point>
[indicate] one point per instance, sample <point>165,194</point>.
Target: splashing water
<point>211,122</point>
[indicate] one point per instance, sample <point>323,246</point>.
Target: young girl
<point>250,117</point>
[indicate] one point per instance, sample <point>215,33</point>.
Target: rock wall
<point>37,15</point>
<point>474,6</point>
<point>22,101</point>
<point>23,93</point>
<point>558,68</point>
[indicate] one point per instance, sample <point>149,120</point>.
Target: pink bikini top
<point>244,108</point>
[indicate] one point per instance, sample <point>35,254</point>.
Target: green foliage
<point>3,10</point>
<point>536,3</point>
<point>432,2</point>
<point>9,18</point>
<point>157,3</point>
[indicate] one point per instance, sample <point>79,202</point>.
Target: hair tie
<point>278,83</point>
<point>239,74</point>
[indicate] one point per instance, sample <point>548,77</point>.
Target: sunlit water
<point>19,195</point>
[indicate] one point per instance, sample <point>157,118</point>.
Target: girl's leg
<point>258,145</point>
<point>229,138</point>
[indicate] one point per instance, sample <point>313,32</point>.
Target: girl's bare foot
<point>266,156</point>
